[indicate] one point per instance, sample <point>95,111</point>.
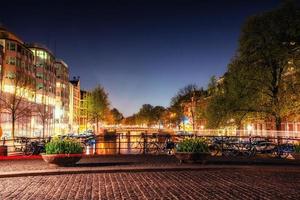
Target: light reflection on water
<point>111,144</point>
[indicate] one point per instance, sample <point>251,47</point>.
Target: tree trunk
<point>278,123</point>
<point>97,125</point>
<point>43,129</point>
<point>13,121</point>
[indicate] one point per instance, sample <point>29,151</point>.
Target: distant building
<point>74,104</point>
<point>62,97</point>
<point>83,118</point>
<point>45,87</point>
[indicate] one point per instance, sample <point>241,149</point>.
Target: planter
<point>3,150</point>
<point>191,157</point>
<point>296,156</point>
<point>62,159</point>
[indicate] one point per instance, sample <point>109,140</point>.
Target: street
<point>248,183</point>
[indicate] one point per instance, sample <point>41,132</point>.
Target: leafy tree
<point>263,78</point>
<point>117,116</point>
<point>145,114</point>
<point>212,86</point>
<point>131,120</point>
<point>98,105</point>
<point>190,94</point>
<point>157,114</point>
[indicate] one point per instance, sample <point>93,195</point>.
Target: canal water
<point>117,143</point>
<point>131,142</point>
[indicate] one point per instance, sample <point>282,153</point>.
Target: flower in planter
<point>193,145</point>
<point>64,146</point>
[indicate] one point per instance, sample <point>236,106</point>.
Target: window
<point>12,46</point>
<point>39,75</point>
<point>19,48</point>
<point>18,62</point>
<point>39,86</point>
<point>10,75</point>
<point>11,61</point>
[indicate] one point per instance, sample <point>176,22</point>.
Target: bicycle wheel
<point>137,147</point>
<point>28,151</point>
<point>248,151</point>
<point>230,150</point>
<point>215,150</point>
<point>152,148</point>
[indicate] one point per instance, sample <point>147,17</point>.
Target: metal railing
<point>154,143</point>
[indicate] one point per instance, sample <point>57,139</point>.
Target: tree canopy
<point>263,78</point>
<point>98,105</point>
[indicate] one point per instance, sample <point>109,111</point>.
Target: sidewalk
<point>125,163</point>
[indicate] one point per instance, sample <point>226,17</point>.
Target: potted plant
<point>63,152</point>
<point>192,149</point>
<point>296,153</point>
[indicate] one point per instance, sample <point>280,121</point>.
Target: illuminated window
<point>42,54</point>
<point>11,61</point>
<point>11,75</point>
<point>39,75</point>
<point>40,86</point>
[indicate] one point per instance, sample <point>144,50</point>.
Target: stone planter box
<point>3,150</point>
<point>296,156</point>
<point>62,159</point>
<point>191,157</point>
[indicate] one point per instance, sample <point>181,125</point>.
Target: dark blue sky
<point>140,51</point>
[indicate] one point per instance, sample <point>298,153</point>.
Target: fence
<point>153,143</point>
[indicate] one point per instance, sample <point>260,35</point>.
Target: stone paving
<point>251,183</point>
<point>107,161</point>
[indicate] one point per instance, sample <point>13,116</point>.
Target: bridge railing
<point>152,143</point>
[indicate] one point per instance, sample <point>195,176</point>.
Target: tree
<point>145,114</point>
<point>190,95</point>
<point>44,113</point>
<point>157,114</point>
<point>117,116</point>
<point>15,101</point>
<point>263,78</point>
<point>131,120</point>
<point>212,86</point>
<point>98,105</point>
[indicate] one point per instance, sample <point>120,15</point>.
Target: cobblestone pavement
<point>107,161</point>
<point>252,183</point>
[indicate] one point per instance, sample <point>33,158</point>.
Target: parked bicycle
<point>154,144</point>
<point>35,148</point>
<point>231,147</point>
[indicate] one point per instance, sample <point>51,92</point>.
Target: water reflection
<point>121,143</point>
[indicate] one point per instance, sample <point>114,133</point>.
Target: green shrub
<point>63,146</point>
<point>297,148</point>
<point>193,145</point>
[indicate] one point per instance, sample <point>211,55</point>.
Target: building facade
<point>34,89</point>
<point>17,86</point>
<point>45,90</point>
<point>62,97</point>
<point>83,117</point>
<point>74,105</point>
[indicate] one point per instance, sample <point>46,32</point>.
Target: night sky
<point>140,51</point>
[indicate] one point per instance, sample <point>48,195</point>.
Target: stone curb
<point>117,170</point>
